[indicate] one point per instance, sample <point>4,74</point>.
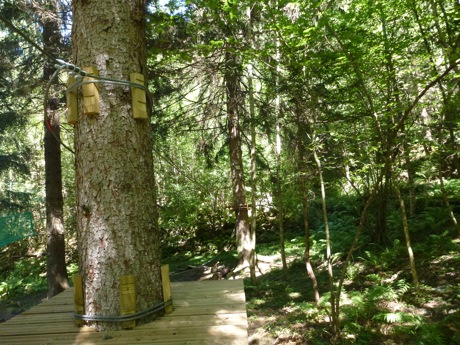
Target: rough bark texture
<point>243,234</point>
<point>253,258</point>
<point>117,233</point>
<point>55,259</point>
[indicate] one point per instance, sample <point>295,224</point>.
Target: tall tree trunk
<point>253,258</point>
<point>56,272</point>
<point>243,233</point>
<point>335,298</point>
<point>386,131</point>
<point>279,195</point>
<point>304,195</point>
<point>279,188</point>
<point>116,208</point>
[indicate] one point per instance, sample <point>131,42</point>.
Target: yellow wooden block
<point>128,299</point>
<point>166,287</point>
<point>72,103</point>
<point>90,93</point>
<point>139,101</point>
<point>78,297</point>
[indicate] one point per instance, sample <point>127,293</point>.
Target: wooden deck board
<point>208,312</point>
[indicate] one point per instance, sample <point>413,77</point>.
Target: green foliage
<point>346,71</point>
<point>17,89</point>
<point>28,275</point>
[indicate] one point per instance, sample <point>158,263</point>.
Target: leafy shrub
<point>28,275</point>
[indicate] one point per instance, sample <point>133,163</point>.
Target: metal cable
<point>96,79</point>
<point>123,318</point>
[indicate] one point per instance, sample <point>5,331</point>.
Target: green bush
<point>28,275</point>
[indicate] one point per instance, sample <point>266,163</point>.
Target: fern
<point>403,287</point>
<point>431,335</point>
<point>398,317</point>
<point>382,293</point>
<point>388,317</point>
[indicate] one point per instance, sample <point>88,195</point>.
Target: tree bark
<point>243,234</point>
<point>278,187</point>
<point>378,234</point>
<point>279,195</point>
<point>116,208</point>
<point>410,252</point>
<point>445,199</point>
<point>334,294</point>
<point>303,185</point>
<point>56,272</point>
<point>253,258</point>
<point>410,177</point>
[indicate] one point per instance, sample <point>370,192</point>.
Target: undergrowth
<point>28,275</point>
<point>378,301</point>
<point>379,304</point>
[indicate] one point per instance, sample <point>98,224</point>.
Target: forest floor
<point>379,303</point>
<point>15,306</point>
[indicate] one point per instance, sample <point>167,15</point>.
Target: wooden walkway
<point>205,312</point>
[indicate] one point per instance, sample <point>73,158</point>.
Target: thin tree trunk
<point>379,233</point>
<point>407,235</point>
<point>56,275</point>
<point>308,265</point>
<point>446,200</point>
<point>334,299</point>
<point>279,193</point>
<point>279,188</point>
<point>116,206</point>
<point>303,183</point>
<point>410,178</point>
<point>253,258</point>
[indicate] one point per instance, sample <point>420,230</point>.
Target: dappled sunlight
<point>444,258</point>
<point>203,311</point>
<point>377,301</point>
<point>327,131</point>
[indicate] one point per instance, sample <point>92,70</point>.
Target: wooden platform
<point>205,312</point>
